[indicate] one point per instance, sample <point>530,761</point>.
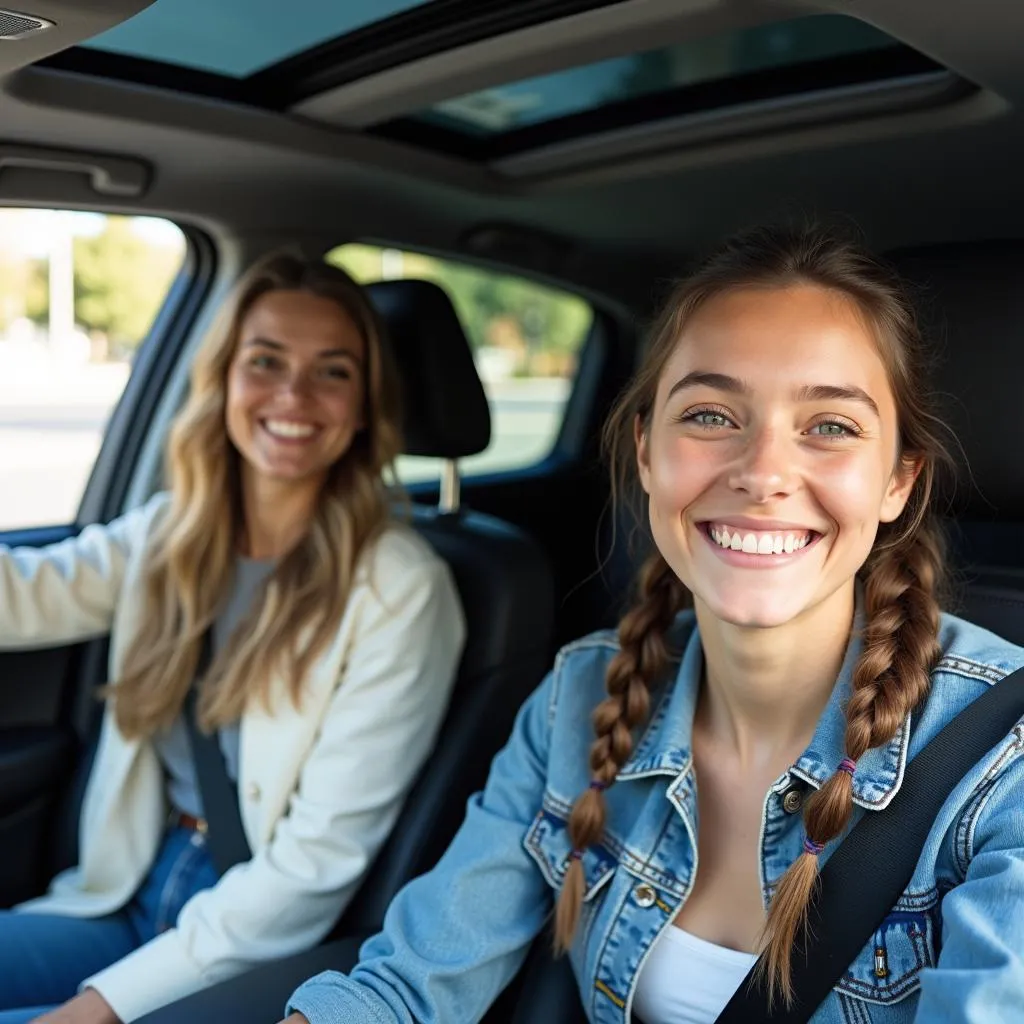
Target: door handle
<point>122,177</point>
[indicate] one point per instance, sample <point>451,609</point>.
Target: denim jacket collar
<point>665,747</point>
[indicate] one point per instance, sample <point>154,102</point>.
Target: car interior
<point>594,147</point>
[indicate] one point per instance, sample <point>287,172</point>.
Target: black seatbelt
<point>225,836</point>
<point>865,877</point>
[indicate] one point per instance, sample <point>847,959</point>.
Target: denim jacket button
<point>645,896</point>
<point>792,800</point>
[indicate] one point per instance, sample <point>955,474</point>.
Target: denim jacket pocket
<point>888,968</point>
<point>548,843</point>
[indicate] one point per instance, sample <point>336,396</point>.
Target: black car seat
<point>970,298</point>
<point>504,580</point>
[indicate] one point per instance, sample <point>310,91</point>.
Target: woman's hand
<point>87,1008</point>
<point>295,1018</point>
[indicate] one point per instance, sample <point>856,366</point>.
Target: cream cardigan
<point>319,787</point>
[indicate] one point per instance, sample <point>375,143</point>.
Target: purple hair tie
<point>576,855</point>
<point>811,847</point>
<point>598,785</point>
<point>847,765</point>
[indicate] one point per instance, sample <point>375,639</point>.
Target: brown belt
<point>180,820</point>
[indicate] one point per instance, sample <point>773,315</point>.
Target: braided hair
<point>901,578</point>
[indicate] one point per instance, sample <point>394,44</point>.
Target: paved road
<point>47,451</point>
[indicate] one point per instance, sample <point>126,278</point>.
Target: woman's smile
<point>770,457</point>
<point>765,548</point>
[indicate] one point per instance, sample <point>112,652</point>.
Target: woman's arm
<point>980,972</point>
<point>67,592</point>
<point>378,731</point>
<point>453,938</point>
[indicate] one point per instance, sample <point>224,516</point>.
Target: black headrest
<point>970,298</point>
<point>445,410</point>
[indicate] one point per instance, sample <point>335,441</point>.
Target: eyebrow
<point>807,393</point>
<point>330,353</point>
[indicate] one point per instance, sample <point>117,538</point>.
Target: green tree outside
<point>121,280</point>
<point>543,326</point>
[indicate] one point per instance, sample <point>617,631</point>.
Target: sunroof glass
<point>239,37</point>
<point>590,87</point>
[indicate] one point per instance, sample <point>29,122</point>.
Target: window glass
<point>525,338</point>
<point>78,293</point>
<point>528,102</point>
<point>238,37</point>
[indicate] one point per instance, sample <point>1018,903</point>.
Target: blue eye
<point>264,362</point>
<point>833,429</point>
<point>708,419</point>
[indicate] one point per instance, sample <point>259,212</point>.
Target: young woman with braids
<point>781,434</point>
<point>334,632</point>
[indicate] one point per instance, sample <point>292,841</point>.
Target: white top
<point>687,980</point>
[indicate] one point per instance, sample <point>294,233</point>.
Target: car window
<point>78,294</point>
<point>526,340</point>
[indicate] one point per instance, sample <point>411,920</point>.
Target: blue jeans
<point>43,959</point>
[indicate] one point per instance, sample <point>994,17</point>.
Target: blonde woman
<point>331,636</point>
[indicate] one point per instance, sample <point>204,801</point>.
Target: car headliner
<point>615,218</point>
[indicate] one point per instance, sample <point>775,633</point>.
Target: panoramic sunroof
<point>592,86</point>
<point>799,56</point>
<point>238,37</point>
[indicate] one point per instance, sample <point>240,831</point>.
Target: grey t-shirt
<point>173,747</point>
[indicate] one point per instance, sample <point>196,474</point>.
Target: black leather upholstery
<point>504,580</point>
<point>971,303</point>
<point>446,410</point>
<point>970,298</point>
<point>507,592</point>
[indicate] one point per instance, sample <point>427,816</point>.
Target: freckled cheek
<point>681,471</point>
<point>244,394</point>
<point>340,409</point>
<point>850,493</point>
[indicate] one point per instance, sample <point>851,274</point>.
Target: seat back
<point>970,298</point>
<point>504,580</point>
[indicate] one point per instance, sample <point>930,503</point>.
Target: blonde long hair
<point>902,577</point>
<point>193,549</point>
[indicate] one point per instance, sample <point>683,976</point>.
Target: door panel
<point>35,765</point>
<point>40,742</point>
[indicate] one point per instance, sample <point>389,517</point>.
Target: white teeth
<point>759,543</point>
<point>285,428</point>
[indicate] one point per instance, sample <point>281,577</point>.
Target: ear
<point>643,464</point>
<point>901,483</point>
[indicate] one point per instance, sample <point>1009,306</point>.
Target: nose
<point>765,468</point>
<point>293,388</point>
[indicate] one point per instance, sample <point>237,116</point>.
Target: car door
<point>92,308</point>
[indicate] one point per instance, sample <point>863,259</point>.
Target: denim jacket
<point>952,947</point>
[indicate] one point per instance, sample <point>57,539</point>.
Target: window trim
<point>126,436</point>
<point>568,442</point>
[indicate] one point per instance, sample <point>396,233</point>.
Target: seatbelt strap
<point>866,875</point>
<point>225,836</point>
